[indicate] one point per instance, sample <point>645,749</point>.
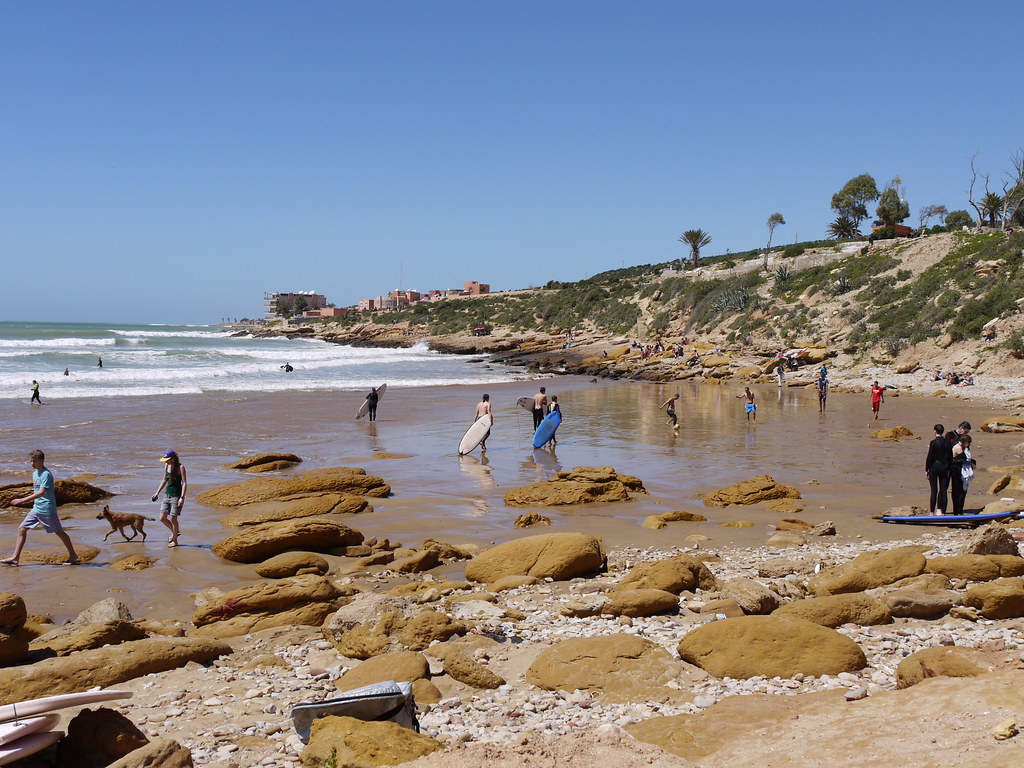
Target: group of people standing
<point>949,465</point>
<point>43,514</point>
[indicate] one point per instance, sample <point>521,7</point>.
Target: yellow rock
<point>739,524</point>
<point>892,433</point>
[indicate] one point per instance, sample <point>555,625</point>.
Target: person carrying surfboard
<point>540,403</point>
<point>482,409</point>
<point>371,400</point>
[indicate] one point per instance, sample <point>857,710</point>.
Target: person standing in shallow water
<point>822,384</point>
<point>540,407</point>
<point>371,400</point>
<point>670,407</point>
<point>35,393</point>
<point>174,485</point>
<point>482,409</point>
<point>44,512</point>
<point>749,406</point>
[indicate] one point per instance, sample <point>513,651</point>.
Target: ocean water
<point>178,360</point>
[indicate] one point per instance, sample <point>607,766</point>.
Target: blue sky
<point>171,162</point>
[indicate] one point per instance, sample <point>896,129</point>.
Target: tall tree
<point>843,228</point>
<point>892,207</point>
<point>852,200</point>
<point>696,239</point>
<point>929,212</point>
<point>773,221</point>
<point>991,207</point>
<point>958,220</point>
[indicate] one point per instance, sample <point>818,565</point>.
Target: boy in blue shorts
<point>44,512</point>
<point>749,406</point>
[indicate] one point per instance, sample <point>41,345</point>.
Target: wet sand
<point>843,474</point>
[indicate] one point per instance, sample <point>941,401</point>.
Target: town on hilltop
<point>310,304</point>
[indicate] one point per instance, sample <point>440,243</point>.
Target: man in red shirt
<point>877,398</point>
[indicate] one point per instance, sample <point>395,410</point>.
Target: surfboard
<point>476,434</point>
<point>526,403</point>
<point>16,729</point>
<point>365,407</point>
<point>962,521</point>
<point>28,745</point>
<point>547,429</point>
<point>54,703</point>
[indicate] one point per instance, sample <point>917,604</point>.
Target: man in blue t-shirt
<point>44,512</point>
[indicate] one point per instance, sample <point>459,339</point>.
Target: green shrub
<point>883,233</point>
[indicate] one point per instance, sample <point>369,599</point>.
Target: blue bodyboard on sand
<point>547,428</point>
<point>971,521</point>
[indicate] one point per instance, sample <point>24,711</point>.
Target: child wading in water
<point>174,484</point>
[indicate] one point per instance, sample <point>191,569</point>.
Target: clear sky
<point>171,162</point>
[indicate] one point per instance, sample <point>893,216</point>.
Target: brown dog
<point>121,520</point>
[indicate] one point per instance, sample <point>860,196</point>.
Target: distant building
<point>327,312</point>
<point>368,305</point>
<point>473,288</point>
<point>280,304</point>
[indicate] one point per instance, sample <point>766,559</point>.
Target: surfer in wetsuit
<point>540,402</point>
<point>371,401</point>
<point>287,368</point>
<point>99,362</point>
<point>35,393</point>
<point>482,409</point>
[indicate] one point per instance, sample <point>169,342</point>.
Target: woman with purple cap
<point>174,485</point>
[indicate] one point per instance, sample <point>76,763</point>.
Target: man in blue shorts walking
<point>44,512</point>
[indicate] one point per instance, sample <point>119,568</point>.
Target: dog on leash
<point>121,520</point>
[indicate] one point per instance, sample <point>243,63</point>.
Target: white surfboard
<point>365,407</point>
<point>476,434</point>
<point>16,729</point>
<point>28,745</point>
<point>526,403</point>
<point>54,703</point>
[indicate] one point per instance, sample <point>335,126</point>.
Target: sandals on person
<point>76,561</point>
<point>9,561</point>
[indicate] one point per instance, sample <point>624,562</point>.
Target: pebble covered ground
<point>235,713</point>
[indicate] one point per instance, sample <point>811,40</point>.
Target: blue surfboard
<point>547,428</point>
<point>952,521</point>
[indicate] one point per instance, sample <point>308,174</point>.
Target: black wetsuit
<point>938,465</point>
<point>372,400</point>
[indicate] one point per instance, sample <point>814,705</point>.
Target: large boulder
<point>640,602</point>
<point>992,539</point>
<point>374,624</point>
<point>835,610</point>
<point>613,667</point>
<point>312,505</point>
<point>459,665</point>
<point>13,645</point>
<point>1003,423</point>
<point>942,661</point>
<point>260,542</point>
<point>915,604</point>
<point>265,462</point>
<point>752,596</point>
<point>159,753</point>
<point>583,485</point>
<point>752,491</point>
<point>770,646</point>
<point>74,637</point>
<point>57,554</point>
<point>999,599</point>
<point>298,600</point>
<point>346,741</point>
<point>97,737</point>
<point>967,567</point>
<point>293,564</point>
<point>560,556</point>
<point>343,480</point>
<point>67,492</point>
<point>104,667</point>
<point>869,570</point>
<point>682,573</point>
<point>403,666</point>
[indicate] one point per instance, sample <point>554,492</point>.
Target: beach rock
<point>1009,565</point>
<point>105,666</point>
<point>715,361</point>
<point>752,596</point>
<point>58,554</point>
<point>402,666</point>
<point>134,563</point>
<point>785,539</point>
<point>941,661</point>
<point>892,433</point>
<point>640,602</point>
<point>786,506</point>
<point>913,604</point>
<point>794,524</point>
<point>967,567</point>
<point>360,744</point>
<point>992,540</point>
<point>342,480</point>
<point>869,570</point>
<point>999,599</point>
<point>417,562</point>
<point>425,693</point>
<point>584,606</point>
<point>925,582</point>
<point>682,573</point>
<point>835,610</point>
<point>511,582</point>
<point>1003,423</point>
<point>527,519</point>
<point>294,508</point>
<point>293,564</point>
<point>780,567</point>
<point>723,608</point>
<point>752,491</point>
<point>1002,507</point>
<point>826,528</point>
<point>374,624</point>
<point>97,737</point>
<point>265,462</point>
<point>560,556</point>
<point>260,542</point>
<point>583,485</point>
<point>657,522</point>
<point>159,753</point>
<point>448,552</point>
<point>80,637</point>
<point>13,615</point>
<point>67,492</point>
<point>618,668</point>
<point>460,666</point>
<point>108,609</point>
<point>297,600</point>
<point>770,646</point>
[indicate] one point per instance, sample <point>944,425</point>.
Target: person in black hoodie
<point>936,468</point>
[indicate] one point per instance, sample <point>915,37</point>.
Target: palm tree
<point>843,228</point>
<point>696,239</point>
<point>773,221</point>
<point>992,206</point>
